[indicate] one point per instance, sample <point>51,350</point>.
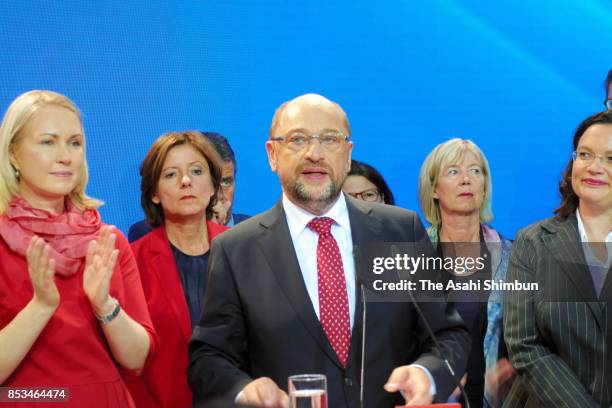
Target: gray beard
<point>300,192</point>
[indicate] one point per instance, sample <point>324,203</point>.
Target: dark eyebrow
<point>188,164</point>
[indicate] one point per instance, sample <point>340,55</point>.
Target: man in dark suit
<point>228,180</point>
<point>223,209</point>
<point>282,297</point>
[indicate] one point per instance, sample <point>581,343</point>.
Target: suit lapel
<point>606,291</point>
<point>564,244</point>
<point>163,265</point>
<point>364,229</point>
<point>276,244</point>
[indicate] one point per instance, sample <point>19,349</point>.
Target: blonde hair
<point>443,155</point>
<point>16,117</point>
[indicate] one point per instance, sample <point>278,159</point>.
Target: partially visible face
<point>185,184</point>
<point>591,182</point>
<point>311,178</point>
<point>228,186</point>
<point>361,188</point>
<point>50,156</point>
<point>461,187</point>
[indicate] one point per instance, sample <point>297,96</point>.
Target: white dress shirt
<point>305,244</point>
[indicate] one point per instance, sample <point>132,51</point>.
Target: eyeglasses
<point>298,141</point>
<point>608,103</point>
<point>586,157</point>
<point>372,195</point>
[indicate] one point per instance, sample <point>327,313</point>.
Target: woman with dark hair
<point>181,176</point>
<point>72,312</point>
<point>365,183</point>
<point>557,335</point>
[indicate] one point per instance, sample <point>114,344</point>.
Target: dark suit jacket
<point>164,382</point>
<point>556,336</point>
<point>141,228</point>
<point>259,321</point>
<point>238,218</point>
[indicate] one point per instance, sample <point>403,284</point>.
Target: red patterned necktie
<point>333,299</point>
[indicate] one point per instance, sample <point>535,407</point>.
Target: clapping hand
<point>99,266</point>
<point>41,268</point>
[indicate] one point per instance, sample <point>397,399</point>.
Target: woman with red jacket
<point>72,312</point>
<point>181,175</point>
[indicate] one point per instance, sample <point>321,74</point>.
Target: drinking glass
<point>308,391</point>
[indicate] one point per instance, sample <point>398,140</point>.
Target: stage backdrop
<point>514,77</point>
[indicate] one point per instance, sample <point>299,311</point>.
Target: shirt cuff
<point>432,387</point>
<point>238,396</point>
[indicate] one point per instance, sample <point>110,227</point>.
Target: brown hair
<point>569,199</point>
<point>152,166</point>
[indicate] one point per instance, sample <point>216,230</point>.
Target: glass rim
<point>307,377</point>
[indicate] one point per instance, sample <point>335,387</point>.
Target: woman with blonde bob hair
<point>443,155</point>
<point>72,310</point>
<point>455,196</point>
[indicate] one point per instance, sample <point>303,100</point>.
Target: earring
<point>16,173</point>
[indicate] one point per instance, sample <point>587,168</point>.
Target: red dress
<point>164,383</point>
<point>71,351</point>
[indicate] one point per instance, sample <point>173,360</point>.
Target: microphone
<point>363,342</point>
<point>359,279</point>
<point>394,252</point>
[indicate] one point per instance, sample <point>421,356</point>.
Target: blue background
<point>515,77</point>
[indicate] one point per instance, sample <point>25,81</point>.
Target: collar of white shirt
<point>582,232</point>
<point>298,218</point>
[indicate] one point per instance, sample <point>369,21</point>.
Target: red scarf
<point>68,233</point>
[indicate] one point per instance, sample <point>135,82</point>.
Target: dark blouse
<point>193,273</point>
<point>472,306</point>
